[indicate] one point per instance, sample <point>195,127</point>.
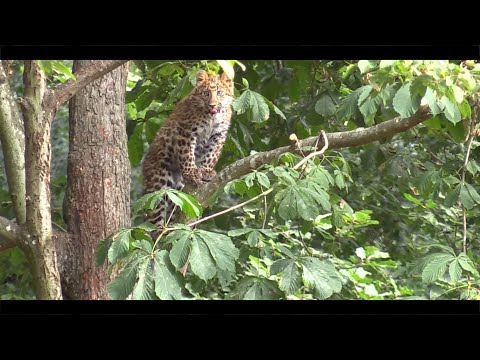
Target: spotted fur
<point>187,147</point>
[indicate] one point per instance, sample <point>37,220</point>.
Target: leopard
<point>187,147</point>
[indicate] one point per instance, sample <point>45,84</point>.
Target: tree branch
<point>10,233</point>
<point>41,249</point>
<point>12,137</point>
<point>84,76</point>
<point>336,141</point>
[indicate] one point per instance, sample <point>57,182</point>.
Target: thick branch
<point>37,159</point>
<point>12,138</point>
<point>10,234</point>
<point>336,140</point>
<point>85,76</point>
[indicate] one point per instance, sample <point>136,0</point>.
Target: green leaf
<point>446,249</point>
<point>120,246</point>
<point>365,65</point>
<point>262,179</point>
<point>340,180</point>
<point>242,103</point>
<point>148,201</point>
<point>387,63</point>
<point>298,201</point>
<point>363,96</point>
<point>465,109</point>
<point>431,97</point>
<point>472,167</point>
<point>181,247</point>
<point>419,85</point>
<point>242,66</point>
<point>102,250</point>
<point>239,232</point>
<point>168,285</point>
<point>144,290</point>
<point>122,286</point>
<point>146,227</point>
<point>322,276</point>
<point>172,194</point>
<point>221,248</point>
<point>404,103</point>
<point>143,245</point>
<point>322,177</point>
<point>249,180</point>
<point>268,233</point>
<point>203,265</point>
<point>312,189</point>
<point>349,104</point>
<point>62,69</point>
<point>291,279</point>
<point>151,129</point>
<point>455,270</point>
<point>144,100</point>
<point>227,66</point>
<point>325,105</point>
<point>387,94</point>
<point>456,131</point>
<point>250,288</point>
<point>452,198</point>
<point>259,107</point>
<point>279,265</point>
<point>467,264</point>
<point>451,111</point>
<point>174,94</point>
<point>412,199</point>
<point>469,196</point>
<point>436,267</point>
<point>240,187</point>
<point>252,238</point>
<point>190,205</point>
<point>457,94</point>
<point>135,146</point>
<point>467,80</point>
<point>274,108</point>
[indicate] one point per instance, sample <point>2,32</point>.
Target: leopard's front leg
<point>185,148</point>
<point>212,151</point>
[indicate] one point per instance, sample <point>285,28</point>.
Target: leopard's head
<point>213,92</point>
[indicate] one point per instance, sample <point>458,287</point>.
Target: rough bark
<point>41,250</point>
<point>336,141</point>
<point>27,153</point>
<point>12,137</point>
<point>97,201</point>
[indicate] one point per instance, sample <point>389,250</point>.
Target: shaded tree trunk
<point>97,200</point>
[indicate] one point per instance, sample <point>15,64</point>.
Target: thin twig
<point>315,153</point>
<point>464,171</point>
<point>232,208</point>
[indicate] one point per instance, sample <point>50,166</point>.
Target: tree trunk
<point>97,200</point>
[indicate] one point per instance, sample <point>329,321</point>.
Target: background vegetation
<point>392,219</point>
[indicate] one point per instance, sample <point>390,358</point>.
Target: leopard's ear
<point>226,80</point>
<point>202,76</point>
<point>224,77</point>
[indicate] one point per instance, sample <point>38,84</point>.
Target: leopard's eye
<point>219,92</point>
<point>206,93</point>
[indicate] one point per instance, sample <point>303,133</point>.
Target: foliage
<point>303,239</point>
<point>379,221</point>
